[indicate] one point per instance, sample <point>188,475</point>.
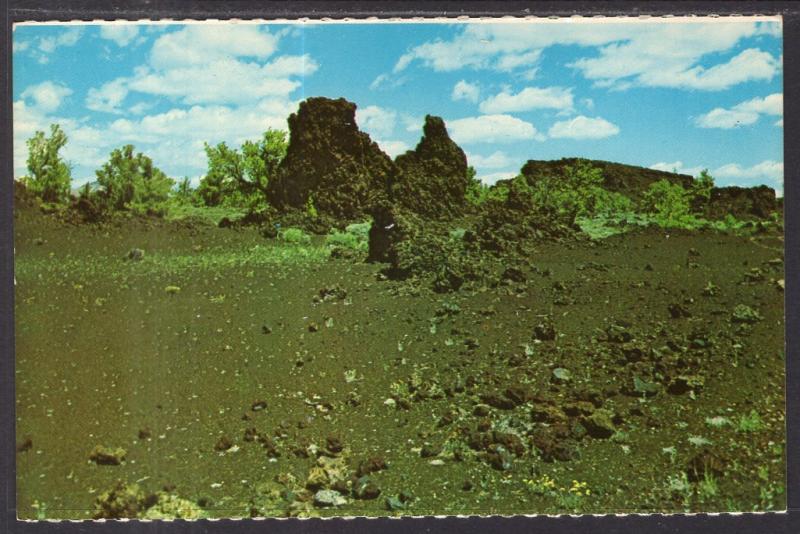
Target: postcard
<point>318,268</point>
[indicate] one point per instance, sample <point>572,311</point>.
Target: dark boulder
<point>432,178</point>
<point>742,202</point>
<point>330,164</point>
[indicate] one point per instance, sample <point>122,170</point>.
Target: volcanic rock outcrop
<point>742,202</point>
<point>330,164</point>
<point>629,180</point>
<point>432,178</point>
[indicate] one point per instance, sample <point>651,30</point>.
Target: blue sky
<point>675,94</point>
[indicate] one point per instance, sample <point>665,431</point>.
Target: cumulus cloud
<point>393,148</point>
<point>491,129</point>
<point>47,96</point>
<point>121,34</point>
<point>766,172</point>
<point>493,178</point>
<point>496,160</point>
<point>464,90</point>
<point>108,96</point>
<point>528,99</point>
<point>634,53</point>
<point>201,44</point>
<point>211,83</point>
<point>742,114</point>
<point>376,121</point>
<point>582,127</point>
<point>676,167</point>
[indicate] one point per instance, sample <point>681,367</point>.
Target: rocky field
<point>184,370</point>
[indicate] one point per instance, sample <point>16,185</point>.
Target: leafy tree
<point>49,175</point>
<point>240,177</point>
<point>184,194</point>
<point>701,189</point>
<point>668,202</point>
<point>573,193</point>
<point>131,181</point>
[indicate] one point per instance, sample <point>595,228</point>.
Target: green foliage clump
<point>479,193</point>
<point>295,236</point>
<point>129,181</point>
<point>240,177</point>
<point>311,210</point>
<point>670,205</point>
<point>355,237</point>
<point>49,177</point>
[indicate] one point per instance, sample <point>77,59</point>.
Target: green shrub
<point>129,181</point>
<point>295,236</point>
<point>355,237</point>
<point>669,204</point>
<point>49,177</point>
<point>240,177</point>
<point>750,422</point>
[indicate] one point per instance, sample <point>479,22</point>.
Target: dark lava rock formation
<point>330,161</point>
<point>742,202</point>
<point>432,178</point>
<point>629,180</point>
<point>510,225</point>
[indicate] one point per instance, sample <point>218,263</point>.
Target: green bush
<point>240,178</point>
<point>295,236</point>
<point>355,237</point>
<point>575,193</point>
<point>670,205</point>
<point>129,181</point>
<point>49,177</point>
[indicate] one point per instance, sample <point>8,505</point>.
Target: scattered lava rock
<point>123,501</point>
<point>223,444</point>
<point>599,424</point>
<point>107,456</point>
<point>371,465</point>
<point>366,489</point>
<point>25,445</point>
<point>545,330</point>
<point>706,462</point>
<point>135,254</point>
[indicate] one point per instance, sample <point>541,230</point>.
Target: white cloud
<point>528,99</point>
<point>122,34</point>
<point>464,90</point>
<point>491,129</point>
<point>68,37</point>
<point>202,44</point>
<point>677,167</point>
<point>212,82</point>
<point>582,127</point>
<point>742,114</point>
<point>376,121</point>
<point>644,53</point>
<point>412,124</point>
<point>393,148</point>
<point>108,96</point>
<point>493,178</point>
<point>768,172</point>
<point>378,81</point>
<point>47,96</point>
<point>497,160</point>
